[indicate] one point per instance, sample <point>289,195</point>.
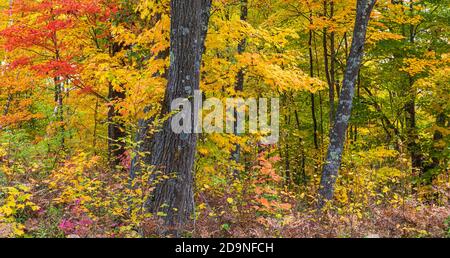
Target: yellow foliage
<point>16,200</point>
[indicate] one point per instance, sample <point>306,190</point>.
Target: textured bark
<point>355,133</point>
<point>339,129</point>
<point>173,154</point>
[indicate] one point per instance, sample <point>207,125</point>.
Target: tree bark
<point>339,129</point>
<point>173,154</point>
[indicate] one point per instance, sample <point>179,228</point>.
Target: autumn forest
<point>113,121</point>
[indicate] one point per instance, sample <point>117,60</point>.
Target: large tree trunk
<point>339,129</point>
<point>173,154</point>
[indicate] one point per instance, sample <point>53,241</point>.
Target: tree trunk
<point>339,129</point>
<point>173,154</point>
<point>239,87</point>
<point>413,137</point>
<point>302,160</point>
<point>336,91</point>
<point>355,133</point>
<point>311,73</point>
<point>116,128</point>
<point>321,127</point>
<point>287,158</point>
<point>430,171</point>
<point>59,88</point>
<point>327,70</point>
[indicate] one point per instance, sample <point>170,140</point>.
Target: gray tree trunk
<point>339,129</point>
<point>173,154</point>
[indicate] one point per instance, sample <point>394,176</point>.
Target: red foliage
<point>20,62</point>
<point>56,69</point>
<point>53,16</point>
<point>20,36</point>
